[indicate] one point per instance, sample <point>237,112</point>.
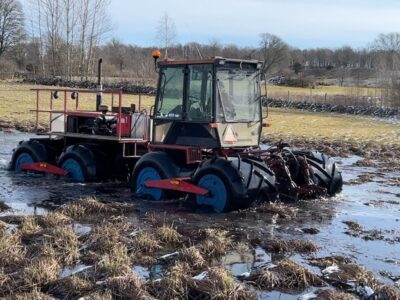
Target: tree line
<point>64,38</point>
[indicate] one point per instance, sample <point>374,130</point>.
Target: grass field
<point>322,90</point>
<point>16,100</point>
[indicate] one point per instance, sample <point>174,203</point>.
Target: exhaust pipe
<point>99,94</point>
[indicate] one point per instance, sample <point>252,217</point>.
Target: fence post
<point>288,95</point>
<point>325,97</point>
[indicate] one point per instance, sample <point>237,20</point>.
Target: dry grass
<point>34,294</point>
<point>86,207</point>
<point>116,263</point>
<point>334,295</point>
<point>388,292</point>
<point>215,243</point>
<point>168,234</point>
<point>12,252</point>
<point>53,219</point>
<point>192,257</point>
<point>220,285</point>
<point>324,262</point>
<point>39,272</point>
<point>174,285</point>
<point>300,246</point>
<point>129,287</point>
<point>145,242</point>
<point>71,287</point>
<point>355,273</point>
<point>265,279</point>
<point>295,277</point>
<point>276,208</point>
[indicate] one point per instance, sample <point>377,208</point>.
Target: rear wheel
<point>234,183</point>
<point>28,152</point>
<point>153,166</point>
<point>325,171</point>
<point>79,162</point>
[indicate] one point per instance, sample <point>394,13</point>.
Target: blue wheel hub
<point>218,195</point>
<point>23,158</point>
<point>74,170</point>
<point>147,174</point>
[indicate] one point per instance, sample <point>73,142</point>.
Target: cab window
<point>199,104</point>
<point>170,104</point>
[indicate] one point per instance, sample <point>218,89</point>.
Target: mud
<point>249,238</point>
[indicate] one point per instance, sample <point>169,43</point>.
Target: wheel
<point>79,162</point>
<point>219,192</point>
<point>153,166</point>
<point>234,183</point>
<point>325,171</point>
<point>28,152</point>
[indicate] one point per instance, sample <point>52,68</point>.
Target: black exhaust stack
<point>99,94</point>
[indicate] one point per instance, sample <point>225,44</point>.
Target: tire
<point>153,166</point>
<point>234,183</point>
<point>325,171</point>
<point>80,162</point>
<point>28,152</point>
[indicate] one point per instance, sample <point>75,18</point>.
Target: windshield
<point>238,95</point>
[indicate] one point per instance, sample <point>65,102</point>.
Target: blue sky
<point>301,23</point>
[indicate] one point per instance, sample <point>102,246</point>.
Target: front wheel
<point>219,193</point>
<point>153,166</point>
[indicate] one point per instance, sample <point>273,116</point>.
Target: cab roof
<point>215,60</point>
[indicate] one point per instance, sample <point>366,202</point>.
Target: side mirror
<point>74,95</point>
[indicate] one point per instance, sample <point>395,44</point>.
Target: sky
<point>300,23</point>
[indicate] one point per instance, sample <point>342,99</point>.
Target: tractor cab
<point>208,103</point>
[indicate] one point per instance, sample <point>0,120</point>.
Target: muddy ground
<point>56,240</point>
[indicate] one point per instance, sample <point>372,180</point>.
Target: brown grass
<point>12,252</point>
<point>334,295</point>
<point>85,207</point>
<point>39,272</point>
<point>300,246</point>
<point>174,285</point>
<point>192,257</point>
<point>34,294</point>
<point>215,243</point>
<point>353,272</point>
<point>276,208</point>
<point>53,219</point>
<point>59,242</point>
<point>145,242</point>
<point>168,234</point>
<point>295,277</point>
<point>129,287</point>
<point>265,279</point>
<point>116,263</point>
<point>220,285</point>
<point>388,292</point>
<point>324,262</point>
<point>71,287</point>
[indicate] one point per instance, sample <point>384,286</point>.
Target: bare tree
<point>274,51</point>
<point>166,32</point>
<point>11,24</point>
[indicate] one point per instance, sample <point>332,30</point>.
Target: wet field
<point>362,223</point>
